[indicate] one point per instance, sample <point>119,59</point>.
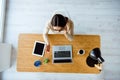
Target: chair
<point>64,12</point>
<point>5,53</point>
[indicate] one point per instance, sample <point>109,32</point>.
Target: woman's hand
<point>48,48</point>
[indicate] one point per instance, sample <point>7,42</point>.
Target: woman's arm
<point>45,33</point>
<point>69,31</point>
<point>45,37</point>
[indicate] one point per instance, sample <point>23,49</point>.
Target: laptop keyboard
<point>59,54</point>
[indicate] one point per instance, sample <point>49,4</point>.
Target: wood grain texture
<point>25,59</point>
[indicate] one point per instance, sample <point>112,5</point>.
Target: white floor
<point>100,17</point>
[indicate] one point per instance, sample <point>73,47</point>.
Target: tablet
<point>39,48</point>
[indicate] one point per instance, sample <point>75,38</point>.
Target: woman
<point>59,24</point>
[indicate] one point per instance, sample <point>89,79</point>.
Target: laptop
<point>62,54</point>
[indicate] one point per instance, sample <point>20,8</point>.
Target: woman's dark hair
<point>59,20</point>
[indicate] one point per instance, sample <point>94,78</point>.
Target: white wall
<point>2,18</point>
<point>90,17</point>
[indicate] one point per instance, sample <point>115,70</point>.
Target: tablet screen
<point>39,48</point>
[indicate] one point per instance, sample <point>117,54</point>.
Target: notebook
<point>62,54</point>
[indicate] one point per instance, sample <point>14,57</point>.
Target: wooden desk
<point>25,59</point>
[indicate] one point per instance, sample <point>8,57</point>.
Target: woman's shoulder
<point>48,24</point>
<point>70,23</point>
